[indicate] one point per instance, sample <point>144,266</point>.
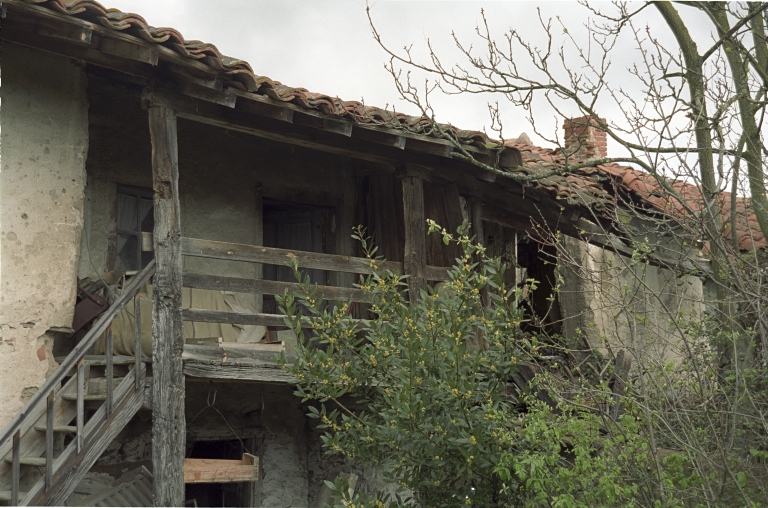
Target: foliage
<point>408,391</point>
<point>412,393</point>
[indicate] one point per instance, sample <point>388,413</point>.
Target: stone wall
<point>44,124</point>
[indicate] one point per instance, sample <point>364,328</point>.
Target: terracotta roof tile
<point>593,187</point>
<point>239,73</point>
<point>597,187</point>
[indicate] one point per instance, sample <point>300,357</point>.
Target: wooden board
<point>222,471</point>
<point>271,347</point>
<point>273,256</point>
<point>267,287</point>
<point>208,362</point>
<point>270,255</point>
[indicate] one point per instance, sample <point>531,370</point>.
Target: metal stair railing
<point>76,359</point>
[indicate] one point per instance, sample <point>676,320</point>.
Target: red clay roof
<point>239,74</point>
<point>597,187</point>
<point>593,187</point>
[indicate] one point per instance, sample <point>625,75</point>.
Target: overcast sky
<point>327,46</point>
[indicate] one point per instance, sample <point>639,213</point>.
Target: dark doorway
<point>294,227</point>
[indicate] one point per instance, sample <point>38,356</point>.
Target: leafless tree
<point>693,121</point>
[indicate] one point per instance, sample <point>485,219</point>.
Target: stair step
<point>70,429</point>
<point>5,495</point>
<point>86,397</point>
<point>27,461</point>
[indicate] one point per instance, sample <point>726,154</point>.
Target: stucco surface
<point>613,303</point>
<point>44,143</point>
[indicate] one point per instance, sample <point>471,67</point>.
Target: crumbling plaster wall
<point>44,143</point>
<point>611,303</point>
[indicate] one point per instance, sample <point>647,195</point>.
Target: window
<point>134,216</point>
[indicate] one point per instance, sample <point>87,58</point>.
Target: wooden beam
<point>386,137</point>
<point>415,255</point>
<point>221,471</point>
<point>208,362</point>
<point>235,318</point>
<point>222,97</point>
<point>322,123</point>
<point>267,287</point>
<point>197,247</point>
<point>168,419</point>
<point>273,256</point>
<point>233,356</point>
<point>257,125</point>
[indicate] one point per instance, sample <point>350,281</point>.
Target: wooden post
<point>15,468</point>
<point>621,369</point>
<point>49,441</point>
<point>343,222</point>
<point>476,221</point>
<point>80,402</point>
<point>137,330</point>
<point>168,424</point>
<point>258,199</point>
<point>415,256</point>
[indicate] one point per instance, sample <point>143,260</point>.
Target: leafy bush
<point>425,392</point>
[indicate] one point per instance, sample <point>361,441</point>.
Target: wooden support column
<point>343,222</point>
<point>168,423</point>
<point>415,255</point>
<point>476,221</point>
<point>258,198</point>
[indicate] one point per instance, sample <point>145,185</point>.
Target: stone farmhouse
<point>152,191</point>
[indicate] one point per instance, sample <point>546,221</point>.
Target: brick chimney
<point>583,140</point>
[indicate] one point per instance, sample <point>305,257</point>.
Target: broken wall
<point>613,303</point>
<point>44,125</point>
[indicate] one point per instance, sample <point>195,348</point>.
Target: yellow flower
<point>472,440</point>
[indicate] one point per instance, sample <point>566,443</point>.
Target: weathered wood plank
<point>273,256</point>
<point>415,255</point>
<point>168,424</point>
<point>34,406</point>
<point>70,467</point>
<point>222,471</point>
<point>319,121</point>
<point>109,374</point>
<point>239,371</point>
<point>222,97</point>
<point>49,414</point>
<point>235,318</point>
<point>15,468</point>
<point>137,344</point>
<point>80,403</point>
<point>34,443</point>
<point>224,355</point>
<point>241,318</point>
<point>386,137</point>
<point>267,287</point>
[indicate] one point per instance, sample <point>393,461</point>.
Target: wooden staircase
<point>83,404</point>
